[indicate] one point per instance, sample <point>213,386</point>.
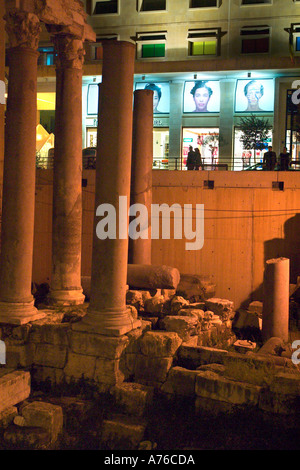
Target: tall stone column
<point>16,300</point>
<point>67,174</point>
<point>141,174</point>
<point>275,319</point>
<point>107,313</point>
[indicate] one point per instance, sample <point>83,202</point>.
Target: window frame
<point>254,37</point>
<point>94,2</point>
<point>141,39</point>
<point>258,4</point>
<point>191,7</point>
<point>140,9</point>
<point>199,35</point>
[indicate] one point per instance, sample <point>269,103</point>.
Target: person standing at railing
<point>269,159</point>
<point>284,160</point>
<point>191,159</point>
<point>198,159</point>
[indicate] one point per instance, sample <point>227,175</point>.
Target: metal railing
<point>89,163</point>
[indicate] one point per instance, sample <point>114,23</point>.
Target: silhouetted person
<point>284,160</point>
<point>190,161</point>
<point>269,160</point>
<point>198,159</point>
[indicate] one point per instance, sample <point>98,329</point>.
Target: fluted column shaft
<point>67,173</point>
<point>141,173</point>
<point>107,312</point>
<point>16,300</point>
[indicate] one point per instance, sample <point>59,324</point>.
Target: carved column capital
<point>70,51</point>
<point>23,29</point>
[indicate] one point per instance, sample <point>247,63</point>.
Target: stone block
<point>256,306</point>
<point>246,319</point>
<point>279,403</point>
<point>184,326</point>
<point>52,333</point>
<point>108,371</point>
<point>50,355</point>
<point>97,345</point>
<point>42,374</point>
<point>150,370</point>
<point>160,343</point>
<point>14,387</point>
<point>134,337</point>
<point>79,365</point>
<point>154,305</point>
<point>214,386</point>
<point>222,307</point>
<point>134,399</point>
<point>193,357</point>
<point>195,286</point>
<point>286,383</point>
<point>213,407</point>
<point>7,416</point>
<point>30,438</point>
<point>177,303</point>
<point>122,432</point>
<point>46,416</point>
<point>19,355</point>
<point>180,381</point>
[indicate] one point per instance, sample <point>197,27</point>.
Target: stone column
<point>141,174</point>
<point>67,174</point>
<point>16,300</point>
<point>107,313</point>
<point>275,319</point>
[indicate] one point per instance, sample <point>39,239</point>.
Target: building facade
<point>242,55</point>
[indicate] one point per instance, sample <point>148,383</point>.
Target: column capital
<point>23,29</point>
<point>70,51</point>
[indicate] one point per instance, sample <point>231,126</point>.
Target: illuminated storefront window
<point>160,148</point>
<point>246,159</point>
<point>207,140</point>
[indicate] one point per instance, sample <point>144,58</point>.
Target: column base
<point>15,313</point>
<point>66,297</point>
<point>108,322</point>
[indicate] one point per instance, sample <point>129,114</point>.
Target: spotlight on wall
<point>195,76</point>
<point>143,77</point>
<point>249,74</point>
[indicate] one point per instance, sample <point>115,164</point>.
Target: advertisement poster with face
<point>254,96</point>
<point>201,96</point>
<point>161,95</point>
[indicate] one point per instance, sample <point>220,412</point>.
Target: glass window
<point>110,6</point>
<point>204,42</point>
<point>153,50</point>
<point>151,45</point>
<point>255,40</point>
<point>46,56</point>
<point>203,48</point>
<point>204,3</point>
<point>256,2</point>
<point>153,5</point>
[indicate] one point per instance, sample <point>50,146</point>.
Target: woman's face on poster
<point>155,100</point>
<point>201,98</point>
